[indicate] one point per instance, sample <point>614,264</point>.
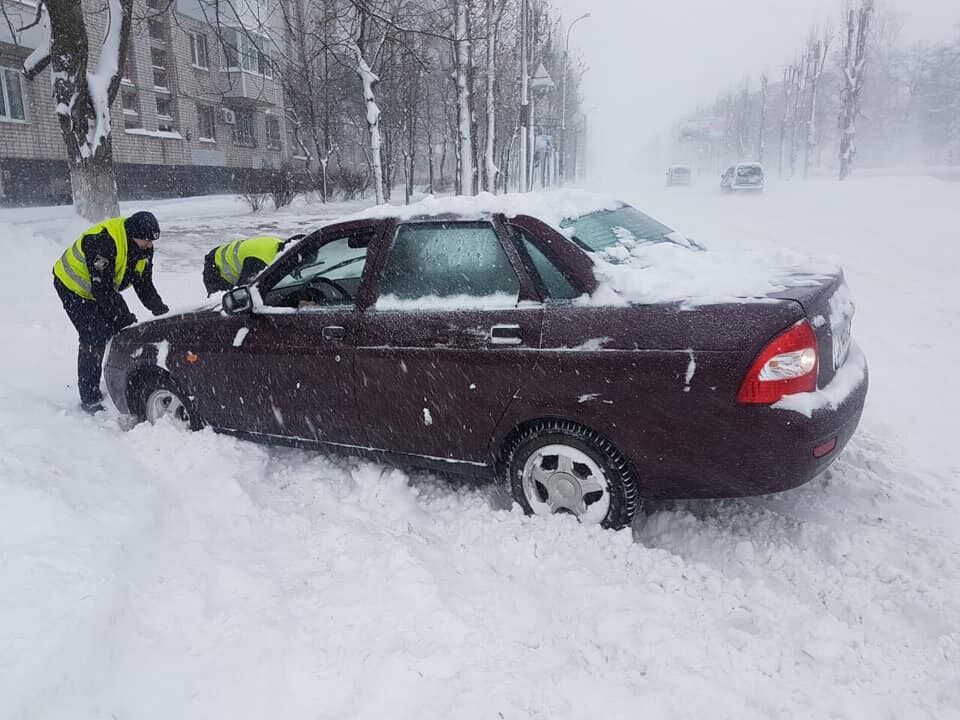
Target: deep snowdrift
<point>155,574</point>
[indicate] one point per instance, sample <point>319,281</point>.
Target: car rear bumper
<point>756,451</point>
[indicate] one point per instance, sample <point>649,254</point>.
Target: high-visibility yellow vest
<point>229,257</point>
<point>71,269</point>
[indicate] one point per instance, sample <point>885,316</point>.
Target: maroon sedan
<point>475,343</point>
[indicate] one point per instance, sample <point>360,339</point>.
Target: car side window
<point>447,260</point>
<point>555,283</point>
<point>324,273</point>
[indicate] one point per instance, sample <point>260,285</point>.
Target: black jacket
<point>101,253</point>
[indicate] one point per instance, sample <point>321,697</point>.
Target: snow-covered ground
<point>158,574</point>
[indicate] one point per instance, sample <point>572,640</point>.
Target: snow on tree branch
<point>40,57</point>
<point>100,80</point>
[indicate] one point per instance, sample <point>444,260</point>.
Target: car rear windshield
<point>680,171</point>
<point>606,228</point>
<point>749,171</point>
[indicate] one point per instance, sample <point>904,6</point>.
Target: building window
<point>242,50</point>
<point>129,101</point>
<point>207,122</point>
<point>198,50</point>
<point>244,132</point>
<point>155,29</point>
<point>129,68</point>
<point>273,132</point>
<point>158,59</point>
<point>11,95</point>
<point>165,113</point>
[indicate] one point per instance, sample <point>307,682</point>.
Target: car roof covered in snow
<point>552,207</point>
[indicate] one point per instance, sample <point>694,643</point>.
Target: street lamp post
<point>563,100</point>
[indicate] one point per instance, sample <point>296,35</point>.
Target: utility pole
<point>563,101</point>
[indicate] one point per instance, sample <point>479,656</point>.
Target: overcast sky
<point>651,60</point>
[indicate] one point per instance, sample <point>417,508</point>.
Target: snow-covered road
<point>158,574</point>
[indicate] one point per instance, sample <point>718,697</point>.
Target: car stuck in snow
<point>576,348</point>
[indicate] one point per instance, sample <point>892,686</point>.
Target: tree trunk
<point>83,98</point>
<point>762,130</point>
<point>490,176</point>
<point>854,61</point>
<point>465,147</point>
<point>93,186</point>
<point>368,81</point>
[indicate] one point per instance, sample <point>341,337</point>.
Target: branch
<point>40,57</point>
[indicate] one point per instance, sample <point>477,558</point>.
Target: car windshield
<point>602,229</point>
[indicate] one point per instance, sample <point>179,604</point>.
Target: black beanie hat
<point>142,225</point>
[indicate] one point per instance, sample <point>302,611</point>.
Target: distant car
<point>470,342</point>
<point>679,175</point>
<point>742,177</point>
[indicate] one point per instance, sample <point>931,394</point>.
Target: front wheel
<point>560,467</point>
<point>161,399</point>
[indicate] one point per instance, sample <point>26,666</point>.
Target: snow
<point>157,573</point>
<point>691,370</point>
<point>240,336</point>
<point>848,378</point>
<point>98,81</point>
<point>640,272</point>
<point>163,349</point>
<point>169,134</point>
<point>448,302</point>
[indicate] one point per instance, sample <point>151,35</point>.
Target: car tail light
<point>787,365</point>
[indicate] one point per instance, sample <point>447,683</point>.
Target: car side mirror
<point>238,301</point>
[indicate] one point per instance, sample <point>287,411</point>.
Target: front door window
<point>325,274</point>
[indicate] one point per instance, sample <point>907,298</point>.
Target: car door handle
<point>333,332</point>
<point>505,335</point>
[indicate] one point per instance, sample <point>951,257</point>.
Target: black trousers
<point>94,327</point>
<point>212,280</point>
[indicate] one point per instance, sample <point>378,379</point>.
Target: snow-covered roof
<point>552,207</point>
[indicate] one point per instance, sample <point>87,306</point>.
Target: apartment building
<point>198,103</point>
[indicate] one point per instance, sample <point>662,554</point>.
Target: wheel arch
<point>136,381</point>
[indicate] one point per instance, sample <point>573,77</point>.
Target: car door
<point>444,349</point>
<point>294,353</point>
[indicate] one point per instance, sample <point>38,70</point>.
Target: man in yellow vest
<point>89,276</point>
<point>237,263</point>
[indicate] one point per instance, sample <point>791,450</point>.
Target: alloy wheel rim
<point>165,404</point>
<point>563,479</point>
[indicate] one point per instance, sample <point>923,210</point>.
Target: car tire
<point>539,453</point>
<point>158,396</point>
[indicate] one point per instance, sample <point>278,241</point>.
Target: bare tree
<point>817,49</point>
<point>83,98</point>
<point>762,128</point>
<point>462,71</point>
<point>789,85</point>
<point>798,120</point>
<point>852,70</point>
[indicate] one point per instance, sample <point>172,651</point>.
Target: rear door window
<point>447,262</point>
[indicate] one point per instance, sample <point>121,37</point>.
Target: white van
<point>679,175</point>
<point>747,176</point>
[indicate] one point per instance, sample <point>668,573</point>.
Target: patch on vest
<point>100,262</point>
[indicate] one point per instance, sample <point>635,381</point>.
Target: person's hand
<point>126,320</point>
<point>162,310</point>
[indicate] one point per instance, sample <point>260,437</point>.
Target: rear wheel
<point>161,399</point>
<point>560,467</point>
